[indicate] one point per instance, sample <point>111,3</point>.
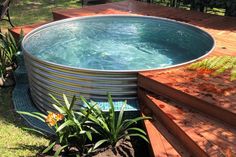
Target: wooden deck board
<point>209,134</point>
<point>189,96</point>
<point>163,144</point>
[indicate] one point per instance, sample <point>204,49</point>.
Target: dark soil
<point>134,147</point>
<point>123,149</point>
<point>7,80</point>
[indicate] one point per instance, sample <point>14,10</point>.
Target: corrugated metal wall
<point>45,78</point>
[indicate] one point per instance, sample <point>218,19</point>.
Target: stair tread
<point>209,134</point>
<point>161,146</point>
<point>156,142</point>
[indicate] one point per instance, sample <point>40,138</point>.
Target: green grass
<point>24,12</point>
<point>216,11</point>
<point>15,142</point>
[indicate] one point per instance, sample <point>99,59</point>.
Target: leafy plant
<point>8,49</point>
<point>75,129</point>
<point>2,70</point>
<point>217,64</point>
<point>3,63</point>
<point>110,127</point>
<point>69,126</point>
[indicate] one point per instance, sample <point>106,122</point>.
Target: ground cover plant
<point>217,65</point>
<point>75,129</point>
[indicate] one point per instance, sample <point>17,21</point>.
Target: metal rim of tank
<point>115,71</point>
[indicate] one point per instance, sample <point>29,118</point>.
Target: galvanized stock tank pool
<point>92,56</point>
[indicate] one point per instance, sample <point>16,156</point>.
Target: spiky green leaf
<point>99,143</point>
<point>89,135</point>
<point>57,153</point>
<point>120,117</point>
<point>135,135</point>
<point>66,101</point>
<point>58,102</point>
<point>50,147</point>
<point>134,129</point>
<point>34,130</point>
<point>31,115</point>
<point>72,102</point>
<point>65,124</point>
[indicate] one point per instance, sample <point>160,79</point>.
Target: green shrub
<point>75,129</point>
<point>69,126</point>
<point>110,127</point>
<point>8,49</point>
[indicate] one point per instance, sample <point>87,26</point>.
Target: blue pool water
<point>118,43</point>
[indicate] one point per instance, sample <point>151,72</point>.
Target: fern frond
<point>218,64</point>
<point>233,73</point>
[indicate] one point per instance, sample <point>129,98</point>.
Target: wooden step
<point>199,134</point>
<point>26,29</point>
<point>218,111</point>
<point>162,142</point>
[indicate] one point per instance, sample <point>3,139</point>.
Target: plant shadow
<point>8,115</point>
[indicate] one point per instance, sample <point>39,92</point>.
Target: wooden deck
<point>197,115</point>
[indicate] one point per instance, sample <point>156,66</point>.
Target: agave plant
<point>69,126</point>
<point>111,127</point>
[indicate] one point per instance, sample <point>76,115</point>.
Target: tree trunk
<point>230,9</point>
<point>197,5</point>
